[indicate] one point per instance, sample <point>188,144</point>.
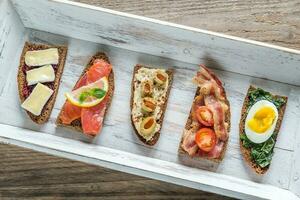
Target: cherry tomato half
<point>205,116</point>
<point>206,139</point>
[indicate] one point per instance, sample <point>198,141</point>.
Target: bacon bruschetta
<point>207,128</point>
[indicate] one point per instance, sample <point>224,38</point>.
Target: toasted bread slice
<point>163,107</point>
<point>22,83</point>
<point>245,151</point>
<point>76,124</point>
<point>188,126</point>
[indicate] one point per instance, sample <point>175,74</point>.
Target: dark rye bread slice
<point>21,79</point>
<point>76,124</point>
<point>188,126</point>
<point>163,107</point>
<point>246,152</point>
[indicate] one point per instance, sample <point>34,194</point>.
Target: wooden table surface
<point>26,174</point>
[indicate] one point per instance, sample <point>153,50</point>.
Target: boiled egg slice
<point>261,121</point>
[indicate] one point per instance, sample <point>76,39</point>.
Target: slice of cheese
<point>40,75</point>
<point>37,99</point>
<point>42,57</point>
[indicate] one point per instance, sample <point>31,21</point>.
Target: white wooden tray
<point>128,40</point>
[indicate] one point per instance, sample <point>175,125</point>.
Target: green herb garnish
<point>95,92</point>
<point>83,96</point>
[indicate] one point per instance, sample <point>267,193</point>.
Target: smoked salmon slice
<point>99,69</point>
<point>69,111</point>
<point>91,118</point>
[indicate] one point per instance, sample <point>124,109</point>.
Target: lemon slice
<point>89,95</point>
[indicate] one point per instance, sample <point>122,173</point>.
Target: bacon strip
<point>209,83</point>
<point>215,153</point>
<point>189,144</point>
<point>219,117</point>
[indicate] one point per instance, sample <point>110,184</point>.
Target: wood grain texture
<point>26,174</point>
<point>273,21</point>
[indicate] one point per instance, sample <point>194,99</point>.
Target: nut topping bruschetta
<point>149,96</point>
<point>207,128</point>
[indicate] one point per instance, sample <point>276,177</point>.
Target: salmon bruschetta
<point>87,104</point>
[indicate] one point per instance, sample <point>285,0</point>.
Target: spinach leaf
<point>245,141</point>
<point>260,94</point>
<point>262,153</point>
<point>278,102</point>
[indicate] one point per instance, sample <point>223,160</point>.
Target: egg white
<point>260,137</point>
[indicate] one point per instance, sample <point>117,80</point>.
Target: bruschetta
<point>88,102</point>
<point>41,67</point>
<point>207,129</point>
<point>261,118</point>
<point>149,96</point>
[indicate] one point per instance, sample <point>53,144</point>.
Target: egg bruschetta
<point>88,102</point>
<point>262,114</point>
<point>207,128</point>
<point>149,96</point>
<point>39,74</point>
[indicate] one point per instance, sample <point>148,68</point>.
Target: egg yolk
<point>262,120</point>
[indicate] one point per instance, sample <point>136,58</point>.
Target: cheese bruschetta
<point>40,70</point>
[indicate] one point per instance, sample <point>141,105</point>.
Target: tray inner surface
<point>118,133</point>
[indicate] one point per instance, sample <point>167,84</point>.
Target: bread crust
<point>189,123</point>
<point>246,152</point>
<point>155,138</point>
<point>76,124</point>
<point>22,83</point>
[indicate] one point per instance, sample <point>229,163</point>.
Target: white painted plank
<point>11,34</point>
<point>161,39</point>
<point>295,174</point>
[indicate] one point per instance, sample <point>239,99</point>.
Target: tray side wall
<point>161,39</point>
<point>12,34</point>
<point>139,165</point>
